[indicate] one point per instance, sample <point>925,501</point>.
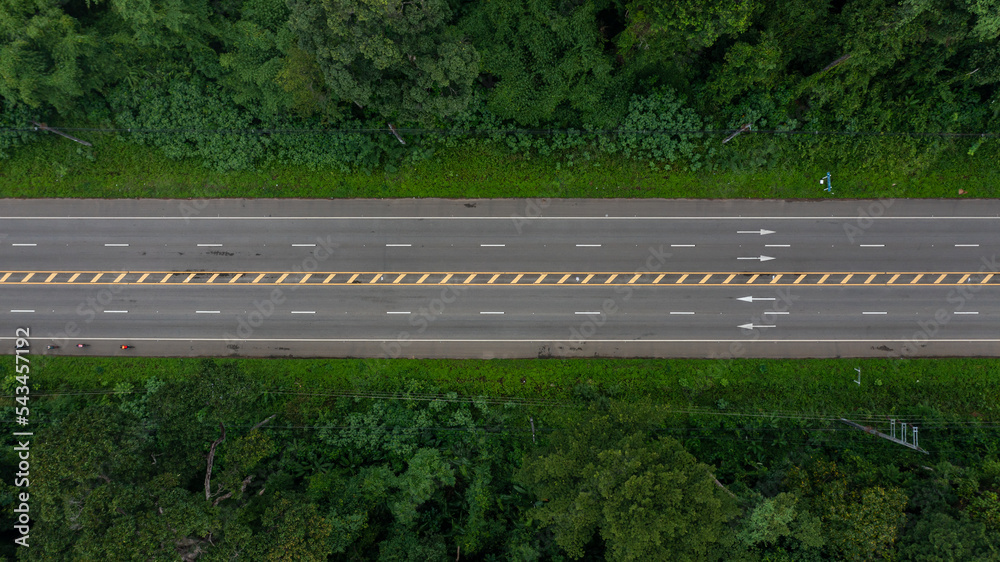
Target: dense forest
<point>222,465</point>
<point>240,83</point>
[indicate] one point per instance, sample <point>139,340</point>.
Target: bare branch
<point>258,426</point>
<point>836,62</point>
<point>211,459</point>
<point>45,127</point>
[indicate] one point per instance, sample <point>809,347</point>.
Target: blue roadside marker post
<point>826,180</point>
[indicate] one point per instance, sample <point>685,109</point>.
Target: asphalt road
<point>45,243</point>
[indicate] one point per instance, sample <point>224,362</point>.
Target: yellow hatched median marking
<point>987,279</point>
<point>49,278</point>
<point>71,279</point>
<point>563,280</point>
<point>893,280</point>
<point>655,281</point>
<point>964,277</point>
<point>799,280</point>
<point>516,279</point>
<point>424,276</point>
<point>469,279</point>
<point>259,277</point>
<point>776,278</point>
<point>446,278</point>
<point>637,275</point>
<point>823,279</point>
<point>728,279</point>
<point>306,278</point>
<point>96,277</point>
<point>164,280</point>
<point>846,279</point>
<point>141,279</point>
<point>329,278</point>
<point>26,277</point>
<point>591,276</point>
<point>375,279</point>
<point>119,278</point>
<point>752,279</point>
<point>494,278</point>
<point>353,277</point>
<point>870,277</point>
<point>681,280</point>
<point>917,278</point>
<point>941,278</point>
<point>235,277</point>
<point>189,277</point>
<point>282,278</point>
<point>5,276</point>
<point>612,278</point>
<point>212,278</point>
<point>539,280</point>
<point>704,279</point>
<point>398,279</point>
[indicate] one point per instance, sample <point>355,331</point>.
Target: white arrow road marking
<point>761,232</point>
<point>752,326</point>
<point>751,299</point>
<point>761,258</point>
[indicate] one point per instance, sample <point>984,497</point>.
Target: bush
<point>14,117</point>
<point>649,130</point>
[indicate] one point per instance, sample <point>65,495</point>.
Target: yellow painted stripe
<point>189,277</point>
<point>419,281</point>
<point>307,276</point>
<point>564,278</point>
<point>962,280</point>
<point>5,276</point>
<point>870,277</point>
<point>494,278</point>
<point>141,279</point>
<point>28,276</point>
<point>591,276</point>
<point>612,278</point>
<point>655,281</point>
<point>941,278</point>
<point>637,275</point>
<point>823,279</point>
<point>235,277</point>
<point>516,279</point>
<point>799,279</point>
<point>71,279</point>
<point>469,279</point>
<point>49,278</point>
<point>446,278</point>
<point>846,279</point>
<point>539,280</point>
<point>893,279</point>
<point>917,278</point>
<point>96,277</point>
<point>752,279</point>
<point>119,278</point>
<point>375,279</point>
<point>777,278</point>
<point>281,279</point>
<point>164,280</point>
<point>329,278</point>
<point>212,278</point>
<point>353,277</point>
<point>987,278</point>
<point>398,279</point>
<point>705,278</point>
<point>728,279</point>
<point>259,277</point>
<point>681,280</point>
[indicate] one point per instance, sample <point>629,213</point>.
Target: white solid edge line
<point>713,340</point>
<point>117,245</point>
<point>303,312</point>
<point>398,245</point>
<point>965,312</point>
<point>585,312</point>
<point>681,313</point>
<point>116,312</point>
<point>486,312</point>
<point>874,313</point>
<point>966,245</point>
<point>507,218</point>
<point>872,245</point>
<point>207,312</point>
<point>22,310</point>
<point>303,245</point>
<point>24,244</point>
<point>397,312</point>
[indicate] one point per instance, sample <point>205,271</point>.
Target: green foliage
<point>400,60</point>
<point>14,116</point>
<point>655,129</point>
<point>942,538</point>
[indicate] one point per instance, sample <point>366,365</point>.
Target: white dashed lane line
<point>397,312</point>
<point>116,312</point>
<point>24,244</point>
<point>306,312</point>
<point>965,312</point>
<point>872,245</point>
<point>966,245</point>
<point>116,245</point>
<point>588,245</point>
<point>682,246</point>
<point>490,312</point>
<point>209,245</point>
<point>777,245</point>
<point>303,245</point>
<point>22,310</point>
<point>598,312</point>
<point>398,245</point>
<point>207,312</point>
<point>874,313</point>
<point>681,313</point>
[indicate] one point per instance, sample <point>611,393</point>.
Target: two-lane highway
<point>506,278</point>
